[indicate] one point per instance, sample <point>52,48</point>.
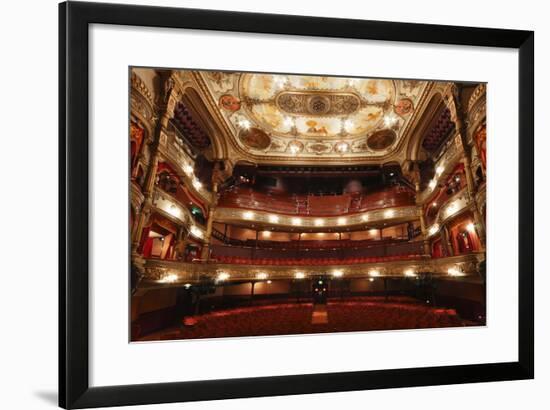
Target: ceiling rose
<point>317,103</point>
<point>309,106</point>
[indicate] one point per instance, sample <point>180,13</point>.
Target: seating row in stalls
<point>295,318</point>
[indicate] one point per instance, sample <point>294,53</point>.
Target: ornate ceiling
<point>307,117</point>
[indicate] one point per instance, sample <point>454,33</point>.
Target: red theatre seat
<point>312,261</point>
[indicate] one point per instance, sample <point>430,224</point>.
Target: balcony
<point>311,256</point>
<point>172,209</point>
<point>177,155</point>
<point>160,274</point>
<point>320,224</point>
<point>316,205</point>
<point>451,155</point>
<point>454,206</point>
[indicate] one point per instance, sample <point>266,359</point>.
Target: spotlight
<point>296,221</point>
<point>454,271</point>
<point>223,276</point>
<point>196,232</point>
<point>245,124</point>
<point>188,169</point>
<point>169,278</point>
<point>409,273</point>
<point>433,229</point>
<point>197,184</point>
<point>248,215</point>
<point>390,120</point>
<point>348,125</point>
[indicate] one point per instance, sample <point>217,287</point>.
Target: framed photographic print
<point>255,205</point>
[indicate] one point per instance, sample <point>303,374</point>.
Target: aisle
<point>319,315</point>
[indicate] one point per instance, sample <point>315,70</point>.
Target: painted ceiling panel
<point>314,116</point>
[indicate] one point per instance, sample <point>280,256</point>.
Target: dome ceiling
<point>312,116</point>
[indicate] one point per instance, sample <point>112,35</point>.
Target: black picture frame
<point>74,387</point>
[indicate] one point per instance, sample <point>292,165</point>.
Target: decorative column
<point>205,253</point>
<point>424,231</point>
<point>222,170</point>
<point>253,283</point>
<point>181,243</point>
<point>458,116</point>
<point>146,207</point>
<point>420,209</point>
<point>139,157</point>
<point>166,106</point>
<point>445,238</point>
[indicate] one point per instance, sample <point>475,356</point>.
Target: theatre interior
<point>276,204</point>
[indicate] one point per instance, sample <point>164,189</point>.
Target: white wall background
<point>28,172</point>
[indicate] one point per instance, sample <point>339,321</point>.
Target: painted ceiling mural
<point>314,116</point>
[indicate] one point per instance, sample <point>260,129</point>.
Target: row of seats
<point>310,261</point>
<point>296,318</point>
<point>357,316</point>
<point>247,197</point>
<point>320,244</point>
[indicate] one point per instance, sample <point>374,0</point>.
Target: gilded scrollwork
<point>157,271</point>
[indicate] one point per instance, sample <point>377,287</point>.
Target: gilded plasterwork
<point>314,116</point>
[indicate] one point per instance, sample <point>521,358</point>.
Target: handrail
<point>303,245</point>
<point>403,248</point>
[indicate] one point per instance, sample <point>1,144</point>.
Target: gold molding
<point>312,223</point>
<point>190,273</point>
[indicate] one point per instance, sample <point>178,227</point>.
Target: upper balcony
<point>316,205</point>
<point>177,155</point>
<point>451,154</point>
